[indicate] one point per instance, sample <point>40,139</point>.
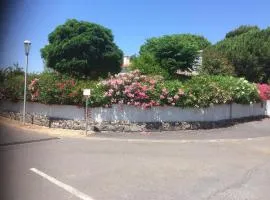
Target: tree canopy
<point>82,49</point>
<point>248,53</point>
<point>172,52</point>
<point>240,30</point>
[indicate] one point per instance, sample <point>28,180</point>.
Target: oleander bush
<point>203,91</point>
<point>136,89</point>
<point>264,91</point>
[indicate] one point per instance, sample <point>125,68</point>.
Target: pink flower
<point>144,88</point>
<point>176,97</point>
<point>137,103</point>
<point>152,81</point>
<point>110,90</point>
<point>180,91</point>
<point>170,99</point>
<point>164,90</point>
<point>161,97</point>
<point>173,104</point>
<point>130,95</point>
<point>126,91</point>
<point>119,82</point>
<point>264,91</point>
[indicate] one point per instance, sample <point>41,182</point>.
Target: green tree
<point>147,64</point>
<point>82,49</point>
<point>215,63</point>
<point>249,53</point>
<point>240,30</point>
<point>173,52</point>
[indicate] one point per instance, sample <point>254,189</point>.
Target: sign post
<point>86,93</point>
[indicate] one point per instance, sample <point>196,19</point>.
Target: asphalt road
<point>203,165</point>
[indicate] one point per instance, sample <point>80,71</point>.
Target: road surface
<point>230,164</point>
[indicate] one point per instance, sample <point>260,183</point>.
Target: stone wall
<point>121,126</point>
<point>132,119</point>
<point>135,114</point>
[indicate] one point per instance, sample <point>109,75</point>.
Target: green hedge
<point>134,89</point>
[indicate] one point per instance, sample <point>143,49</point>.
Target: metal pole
<point>25,82</point>
<point>86,116</point>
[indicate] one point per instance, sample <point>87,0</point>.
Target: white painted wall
<point>126,61</point>
<point>239,111</point>
<point>268,108</point>
<point>135,114</point>
<point>57,111</point>
<point>160,114</point>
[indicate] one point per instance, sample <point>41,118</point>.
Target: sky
<point>131,22</point>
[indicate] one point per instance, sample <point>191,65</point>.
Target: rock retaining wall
<point>136,114</point>
<point>124,126</point>
<point>132,119</point>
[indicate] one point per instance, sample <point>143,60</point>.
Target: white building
<point>126,61</point>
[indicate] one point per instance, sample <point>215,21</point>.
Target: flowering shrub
<point>135,89</point>
<point>13,88</point>
<point>203,91</point>
<point>242,91</point>
<point>52,88</point>
<point>264,91</point>
<point>131,89</point>
<point>34,89</point>
<point>140,90</point>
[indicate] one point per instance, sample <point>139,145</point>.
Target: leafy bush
<point>13,88</point>
<point>202,91</point>
<point>131,89</point>
<point>10,72</point>
<point>54,88</point>
<point>170,52</point>
<point>12,83</point>
<point>207,90</point>
<point>136,89</point>
<point>147,64</point>
<point>82,49</point>
<point>214,63</point>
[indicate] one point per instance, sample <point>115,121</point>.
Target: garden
<point>235,70</point>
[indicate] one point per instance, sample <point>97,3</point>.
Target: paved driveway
<point>162,167</point>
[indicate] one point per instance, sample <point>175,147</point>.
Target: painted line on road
<point>176,141</point>
<point>62,185</point>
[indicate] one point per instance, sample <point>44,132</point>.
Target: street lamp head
<point>27,45</point>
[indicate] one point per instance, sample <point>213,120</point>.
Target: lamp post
<point>27,45</point>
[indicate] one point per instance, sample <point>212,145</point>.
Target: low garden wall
<point>268,108</point>
<point>131,118</point>
<point>137,114</point>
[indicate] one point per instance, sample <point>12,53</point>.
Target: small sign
<point>86,92</point>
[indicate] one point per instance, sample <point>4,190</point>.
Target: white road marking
<point>176,141</point>
<point>62,185</point>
